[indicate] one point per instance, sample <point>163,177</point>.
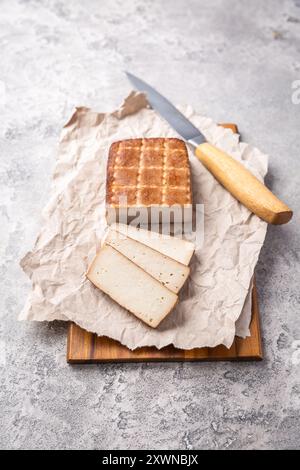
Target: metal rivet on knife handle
<point>243,185</point>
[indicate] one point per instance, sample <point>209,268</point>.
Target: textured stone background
<point>234,61</point>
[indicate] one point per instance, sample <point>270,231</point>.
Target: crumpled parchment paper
<point>74,222</point>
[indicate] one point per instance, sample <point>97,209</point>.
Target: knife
<point>240,182</point>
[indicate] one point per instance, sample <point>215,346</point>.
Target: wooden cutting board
<point>86,348</point>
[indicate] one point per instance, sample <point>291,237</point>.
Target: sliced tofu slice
<point>169,272</point>
<point>131,286</point>
<point>175,248</point>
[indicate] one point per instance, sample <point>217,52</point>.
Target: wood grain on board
<point>86,348</point>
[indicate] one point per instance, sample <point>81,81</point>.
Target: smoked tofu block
<point>175,248</point>
<point>166,270</point>
<point>152,173</point>
<point>131,286</point>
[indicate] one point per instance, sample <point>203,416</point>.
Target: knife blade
<point>240,182</point>
<point>167,110</point>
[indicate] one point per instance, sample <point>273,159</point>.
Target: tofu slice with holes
<point>175,248</point>
<point>168,271</point>
<point>131,286</point>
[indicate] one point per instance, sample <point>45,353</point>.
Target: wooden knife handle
<point>243,185</point>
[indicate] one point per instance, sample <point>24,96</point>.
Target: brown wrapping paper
<point>74,222</point>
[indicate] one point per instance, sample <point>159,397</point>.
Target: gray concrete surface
<point>232,60</point>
